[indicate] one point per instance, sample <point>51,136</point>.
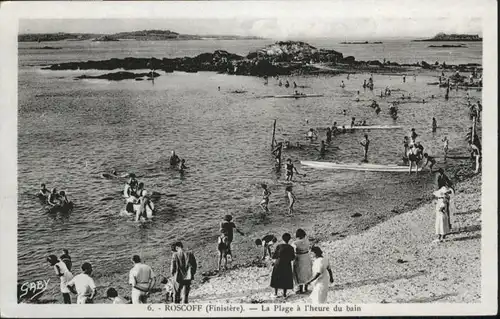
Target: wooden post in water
<point>473,133</point>
<point>274,132</point>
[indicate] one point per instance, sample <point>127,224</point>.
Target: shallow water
<point>70,131</point>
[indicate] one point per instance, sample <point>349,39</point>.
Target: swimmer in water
<point>344,129</point>
<point>429,159</point>
<point>264,203</point>
<point>145,203</point>
<point>182,166</point>
<point>290,168</point>
<point>311,134</point>
<point>291,199</point>
<point>63,199</point>
<point>43,192</point>
<point>322,150</point>
<point>53,198</point>
<point>365,143</point>
<point>174,159</point>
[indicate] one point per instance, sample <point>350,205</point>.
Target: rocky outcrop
<point>118,76</point>
<point>452,37</point>
<point>281,58</point>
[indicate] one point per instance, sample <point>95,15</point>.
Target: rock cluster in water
<point>280,58</point>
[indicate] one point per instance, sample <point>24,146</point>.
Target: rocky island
<point>280,58</point>
<point>452,37</point>
<point>365,42</point>
<point>144,35</point>
<point>448,46</point>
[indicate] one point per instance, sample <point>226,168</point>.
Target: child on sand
<point>265,198</point>
<point>429,159</point>
<point>223,248</point>
<point>266,243</point>
<point>226,227</point>
<point>291,199</point>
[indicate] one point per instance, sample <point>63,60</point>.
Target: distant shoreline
<point>362,42</point>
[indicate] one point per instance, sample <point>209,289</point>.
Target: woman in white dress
<point>442,213</point>
<point>302,265</point>
<point>320,279</point>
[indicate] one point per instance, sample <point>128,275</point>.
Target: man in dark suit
<point>182,268</point>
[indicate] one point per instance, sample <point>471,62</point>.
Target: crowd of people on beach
<point>296,263</point>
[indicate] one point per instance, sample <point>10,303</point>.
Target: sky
<point>354,19</point>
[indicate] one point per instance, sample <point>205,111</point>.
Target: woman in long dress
<point>282,275</point>
<point>442,213</point>
<point>320,268</point>
<point>302,266</point>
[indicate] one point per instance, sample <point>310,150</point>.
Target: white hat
<point>442,192</point>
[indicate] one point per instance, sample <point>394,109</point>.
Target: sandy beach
<point>392,262</point>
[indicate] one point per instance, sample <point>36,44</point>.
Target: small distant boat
<point>356,166</point>
<point>295,96</point>
<point>371,127</point>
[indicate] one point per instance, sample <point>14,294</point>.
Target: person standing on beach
<point>429,159</point>
<point>443,180</point>
<point>222,248</point>
<point>442,215</point>
<point>66,258</point>
<point>302,264</point>
<point>290,168</point>
<point>320,280</point>
<point>476,154</point>
<point>291,199</point>
<point>365,143</point>
<point>277,155</point>
<point>227,226</point>
<point>84,285</point>
<point>413,157</point>
<point>141,279</point>
<point>328,135</point>
<point>264,203</point>
<point>413,135</point>
<point>434,125</point>
<point>282,274</point>
<point>182,268</point>
<point>445,147</point>
<point>64,274</point>
<point>266,243</point>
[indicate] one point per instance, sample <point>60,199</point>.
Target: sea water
<point>70,131</point>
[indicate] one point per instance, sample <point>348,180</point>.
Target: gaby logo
<point>31,290</point>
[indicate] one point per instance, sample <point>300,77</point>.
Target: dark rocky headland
<point>281,58</point>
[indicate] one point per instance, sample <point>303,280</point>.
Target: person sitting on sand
<point>365,143</point>
<point>43,192</point>
<point>287,84</point>
<point>342,85</point>
<point>290,168</point>
<point>291,199</point>
<point>266,243</point>
<point>294,85</point>
<point>227,226</point>
<point>112,294</point>
<point>429,159</point>
<point>265,198</point>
